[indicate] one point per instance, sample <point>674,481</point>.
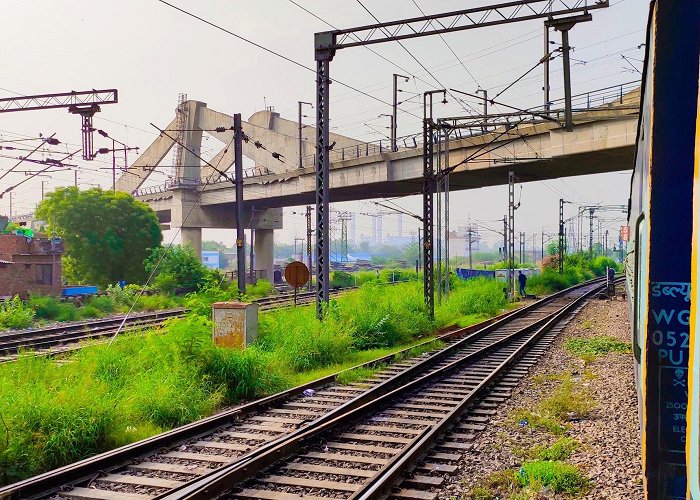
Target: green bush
<point>262,288</point>
<point>341,279</point>
<point>180,267</point>
<point>155,302</point>
<point>200,302</point>
<point>54,309</point>
<point>480,296</point>
<point>396,315</point>
<point>299,340</point>
<point>67,312</point>
<point>166,283</point>
<point>559,476</point>
<point>15,314</point>
<point>103,303</point>
<point>88,312</point>
<point>54,414</point>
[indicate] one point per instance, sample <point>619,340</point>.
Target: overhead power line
<point>450,47</point>
<point>416,59</point>
<point>273,52</point>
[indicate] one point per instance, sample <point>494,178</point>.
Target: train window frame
<point>636,345</point>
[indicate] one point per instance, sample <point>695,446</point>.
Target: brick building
<point>29,266</point>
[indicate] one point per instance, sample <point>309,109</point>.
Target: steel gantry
<point>84,103</point>
<point>327,43</point>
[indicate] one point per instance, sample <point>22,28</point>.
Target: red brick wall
<point>11,244</point>
<point>20,276</point>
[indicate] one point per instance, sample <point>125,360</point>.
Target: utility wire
<point>448,45</point>
<point>414,57</point>
<point>172,241</point>
<point>270,51</point>
<point>356,37</point>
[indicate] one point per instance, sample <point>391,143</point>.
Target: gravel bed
<point>610,445</point>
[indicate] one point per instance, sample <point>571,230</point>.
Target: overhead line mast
<point>327,43</point>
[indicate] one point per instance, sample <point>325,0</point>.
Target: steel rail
<point>52,481</point>
<point>383,481</point>
<point>220,480</point>
<point>39,340</point>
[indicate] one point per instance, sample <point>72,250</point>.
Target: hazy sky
<point>151,53</point>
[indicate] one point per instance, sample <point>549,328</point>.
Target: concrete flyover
<point>602,141</point>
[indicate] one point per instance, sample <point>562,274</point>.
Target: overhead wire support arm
<point>60,100</point>
<point>327,43</point>
<point>85,103</point>
<point>459,20</point>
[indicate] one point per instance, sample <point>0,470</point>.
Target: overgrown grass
<point>597,346</point>
<point>478,296</point>
<point>359,373</point>
<point>537,420</point>
<point>560,477</point>
<point>107,396</point>
<point>561,449</point>
<point>578,267</point>
<point>15,314</point>
<point>111,395</point>
<point>568,402</point>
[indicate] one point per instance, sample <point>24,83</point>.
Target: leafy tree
<point>553,248</point>
<point>176,268</point>
<point>107,235</point>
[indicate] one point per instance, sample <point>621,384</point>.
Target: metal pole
<point>542,247</point>
<point>567,79</point>
<point>308,244</point>
<point>418,264</point>
<point>394,123</point>
<point>606,242</point>
<point>505,238</point>
<point>446,183</point>
<point>252,255</point>
<point>590,231</point>
<point>114,167</point>
<point>545,65</point>
<point>238,173</point>
<point>439,236</point>
<point>322,194</point>
<point>469,235</point>
<point>76,177</point>
<point>486,108</point>
<point>428,183</point>
<point>301,142</point>
<point>561,236</point>
<point>394,106</point>
<point>511,234</point>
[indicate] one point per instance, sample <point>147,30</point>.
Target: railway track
<point>287,299</point>
<point>338,441</point>
<point>62,338</point>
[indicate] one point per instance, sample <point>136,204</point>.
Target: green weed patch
<point>567,402</point>
<point>559,476</point>
<point>527,418</point>
<point>597,346</point>
<point>561,449</point>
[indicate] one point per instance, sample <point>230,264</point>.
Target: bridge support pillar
<point>192,236</point>
<point>264,252</point>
